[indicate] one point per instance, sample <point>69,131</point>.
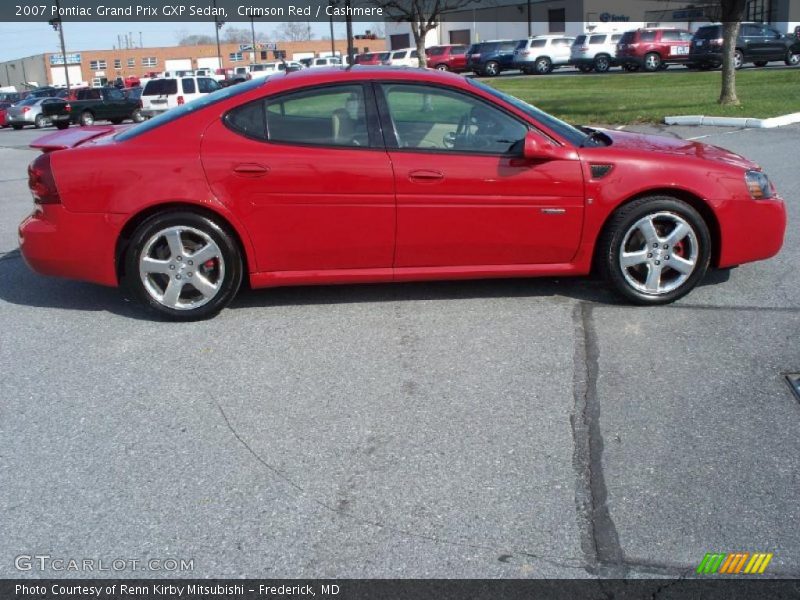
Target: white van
<point>159,95</point>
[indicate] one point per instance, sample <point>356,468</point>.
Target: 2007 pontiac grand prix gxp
<point>376,174</point>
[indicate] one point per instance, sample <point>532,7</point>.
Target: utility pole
<point>332,3</point>
<point>217,26</point>
<point>58,25</point>
<point>253,32</point>
<point>349,21</point>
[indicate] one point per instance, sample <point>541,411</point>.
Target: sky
<point>18,40</point>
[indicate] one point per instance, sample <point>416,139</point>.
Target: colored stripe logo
<point>734,563</point>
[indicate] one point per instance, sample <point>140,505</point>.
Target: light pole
<point>217,26</point>
<point>349,21</point>
<point>332,3</point>
<point>58,25</point>
<point>253,32</point>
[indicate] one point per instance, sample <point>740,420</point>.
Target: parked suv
<point>653,49</point>
<point>594,51</point>
<point>406,57</point>
<point>757,43</point>
<point>491,58</point>
<point>447,58</point>
<point>159,95</point>
<point>542,54</point>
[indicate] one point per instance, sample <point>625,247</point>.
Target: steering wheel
<point>461,132</point>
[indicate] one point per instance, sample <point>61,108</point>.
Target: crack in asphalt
<point>600,541</point>
<point>564,562</point>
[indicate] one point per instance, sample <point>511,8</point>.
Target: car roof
<point>368,72</point>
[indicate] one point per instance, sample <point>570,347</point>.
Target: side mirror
<point>537,147</point>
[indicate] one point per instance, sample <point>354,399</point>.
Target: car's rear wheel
<point>137,116</point>
<point>738,59</point>
<point>602,64</point>
<point>543,65</point>
<point>655,250</point>
<point>491,69</point>
<point>40,121</point>
<point>792,59</point>
<point>442,67</point>
<point>87,118</point>
<point>652,62</point>
<point>183,265</point>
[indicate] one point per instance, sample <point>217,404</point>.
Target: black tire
<point>652,62</point>
<point>230,265</point>
<point>137,116</point>
<point>41,121</point>
<point>543,66</point>
<point>585,68</point>
<point>602,63</point>
<point>442,67</point>
<point>87,118</point>
<point>792,58</point>
<point>62,124</point>
<point>738,59</point>
<point>116,121</point>
<point>491,69</point>
<point>16,126</point>
<point>610,246</point>
<point>760,63</point>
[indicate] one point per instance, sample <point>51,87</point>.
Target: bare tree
<point>294,31</point>
<point>731,14</point>
<point>241,35</point>
<point>194,39</point>
<point>423,15</point>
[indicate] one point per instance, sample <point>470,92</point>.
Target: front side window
<point>430,118</point>
<point>188,86</point>
<point>206,85</point>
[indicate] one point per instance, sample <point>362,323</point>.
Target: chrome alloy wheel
<point>659,253</point>
<point>181,268</point>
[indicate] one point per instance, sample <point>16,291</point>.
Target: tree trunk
<point>730,31</point>
<point>419,39</point>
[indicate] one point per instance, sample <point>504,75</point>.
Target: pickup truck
<point>57,111</point>
<point>109,104</point>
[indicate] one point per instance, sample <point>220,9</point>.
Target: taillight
<point>584,49</point>
<point>41,181</point>
<point>68,107</point>
<point>180,100</point>
<point>25,109</point>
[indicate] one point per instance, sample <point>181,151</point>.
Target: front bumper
<point>751,230</point>
<point>55,241</point>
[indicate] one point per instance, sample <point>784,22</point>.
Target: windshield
<point>565,130</point>
<point>188,108</point>
<point>708,33</point>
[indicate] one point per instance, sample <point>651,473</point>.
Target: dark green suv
<point>757,43</point>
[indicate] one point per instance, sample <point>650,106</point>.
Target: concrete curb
<point>734,121</point>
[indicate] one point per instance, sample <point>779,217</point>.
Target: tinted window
<point>400,54</point>
<point>752,30</point>
<point>249,120</point>
<point>188,108</point>
<point>647,36</point>
<point>538,43</point>
<point>414,54</point>
<point>435,51</point>
<point>670,36</point>
<point>458,50</point>
<point>206,85</point>
<point>188,86</point>
<point>160,87</point>
<point>597,39</point>
<point>616,38</point>
<point>429,118</point>
<point>115,95</point>
<point>708,33</point>
<point>383,56</point>
<point>580,40</point>
<point>333,116</point>
<point>628,37</point>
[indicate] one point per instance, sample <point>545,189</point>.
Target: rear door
<point>310,171</point>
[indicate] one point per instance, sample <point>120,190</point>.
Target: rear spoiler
<point>70,138</point>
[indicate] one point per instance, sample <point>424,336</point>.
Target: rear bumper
<point>153,112</point>
<point>751,230</point>
<point>55,241</point>
<point>705,58</point>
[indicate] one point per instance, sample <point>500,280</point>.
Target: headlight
<point>758,185</point>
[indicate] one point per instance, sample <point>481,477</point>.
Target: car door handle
<point>425,176</point>
<point>251,170</point>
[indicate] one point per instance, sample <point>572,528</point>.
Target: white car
<point>595,51</point>
<point>324,61</point>
<point>542,53</point>
<point>159,95</point>
<point>407,57</point>
<point>276,66</point>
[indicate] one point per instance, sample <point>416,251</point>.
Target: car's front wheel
<point>655,250</point>
<point>602,64</point>
<point>492,69</point>
<point>137,116</point>
<point>183,265</point>
<point>738,59</point>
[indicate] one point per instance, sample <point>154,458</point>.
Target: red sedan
<point>375,174</point>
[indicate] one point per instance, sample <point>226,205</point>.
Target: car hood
<point>658,144</point>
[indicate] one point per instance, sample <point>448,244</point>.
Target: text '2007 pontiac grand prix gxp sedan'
<point>374,174</point>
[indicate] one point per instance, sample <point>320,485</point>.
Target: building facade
<point>97,67</point>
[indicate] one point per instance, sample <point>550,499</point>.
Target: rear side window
<point>206,85</point>
<point>161,87</point>
<point>249,120</point>
<point>597,39</point>
<point>538,43</point>
<point>670,36</point>
<point>435,51</point>
<point>458,50</point>
<point>580,40</point>
<point>616,38</point>
<point>188,86</point>
<point>647,36</point>
<point>400,54</point>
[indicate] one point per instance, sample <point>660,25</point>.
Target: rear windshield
<point>29,101</point>
<point>708,33</point>
<point>628,37</point>
<point>161,87</point>
<point>188,108</point>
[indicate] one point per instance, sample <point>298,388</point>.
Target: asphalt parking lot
<point>528,428</point>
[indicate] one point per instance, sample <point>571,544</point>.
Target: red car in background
<point>447,58</point>
<point>378,175</point>
<point>373,58</point>
<point>653,49</point>
<point>3,107</point>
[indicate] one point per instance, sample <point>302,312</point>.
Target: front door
<point>465,197</point>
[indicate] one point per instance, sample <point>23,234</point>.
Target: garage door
<point>207,62</point>
<point>178,64</point>
<point>58,78</point>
